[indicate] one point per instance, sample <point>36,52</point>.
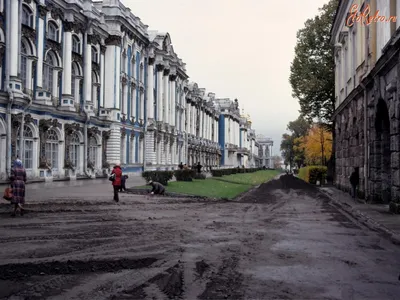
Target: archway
<point>382,151</point>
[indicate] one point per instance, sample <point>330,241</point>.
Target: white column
<point>150,89</point>
<point>67,65</point>
<point>125,99</point>
<point>102,87</point>
<point>160,69</point>
<point>112,72</point>
<point>173,100</point>
<point>88,71</point>
<point>14,42</point>
<point>141,116</point>
<point>165,96</point>
<point>193,118</point>
<point>187,115</point>
<point>40,50</point>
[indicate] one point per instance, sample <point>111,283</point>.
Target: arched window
<point>48,73</point>
<point>27,155</point>
<point>94,54</point>
<point>51,148</point>
<point>76,44</point>
<point>53,31</point>
<point>73,81</point>
<point>95,87</point>
<point>92,150</point>
<point>74,150</point>
<point>24,64</point>
<point>27,16</point>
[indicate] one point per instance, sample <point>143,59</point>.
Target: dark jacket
<point>199,168</point>
<point>354,178</point>
<point>157,187</point>
<point>123,179</point>
<point>118,174</point>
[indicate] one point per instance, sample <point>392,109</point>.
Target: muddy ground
<point>283,240</point>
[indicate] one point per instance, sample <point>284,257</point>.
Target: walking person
<point>116,182</point>
<point>18,180</point>
<point>354,181</point>
<point>199,166</point>
<point>180,166</point>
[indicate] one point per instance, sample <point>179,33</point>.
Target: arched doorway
<point>382,152</point>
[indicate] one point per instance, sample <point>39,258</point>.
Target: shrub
<point>160,176</point>
<point>199,176</point>
<point>312,174</point>
<point>184,175</point>
<point>230,171</point>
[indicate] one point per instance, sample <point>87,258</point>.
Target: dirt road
<point>281,241</point>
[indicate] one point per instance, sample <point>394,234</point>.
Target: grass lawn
<point>253,179</point>
<point>220,187</point>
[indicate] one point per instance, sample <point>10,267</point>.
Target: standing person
<point>18,180</point>
<point>354,181</point>
<point>116,183</point>
<point>158,188</point>
<point>180,166</point>
<point>199,166</point>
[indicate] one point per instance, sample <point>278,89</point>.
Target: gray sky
<point>238,49</point>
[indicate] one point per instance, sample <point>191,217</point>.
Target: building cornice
<point>338,20</point>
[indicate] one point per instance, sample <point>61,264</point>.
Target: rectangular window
<point>52,154</point>
<point>28,154</point>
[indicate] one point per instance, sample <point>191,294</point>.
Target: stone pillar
<point>160,69</point>
<point>172,78</point>
<point>88,69</point>
<point>14,42</point>
<point>67,55</point>
<point>102,75</point>
<point>40,50</point>
<point>150,89</point>
<point>165,96</point>
<point>112,71</point>
<point>188,107</point>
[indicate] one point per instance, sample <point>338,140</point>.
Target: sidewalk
<point>374,216</point>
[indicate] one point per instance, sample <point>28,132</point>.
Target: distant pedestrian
<point>199,166</point>
<point>18,180</point>
<point>123,181</point>
<point>185,167</point>
<point>180,166</point>
<point>158,188</point>
<point>116,182</point>
<point>354,181</point>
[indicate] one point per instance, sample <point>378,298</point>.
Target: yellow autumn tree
<point>317,145</point>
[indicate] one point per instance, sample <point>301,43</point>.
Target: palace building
<point>85,84</point>
<point>367,109</point>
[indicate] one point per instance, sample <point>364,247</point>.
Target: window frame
<point>76,42</point>
<point>29,23</point>
<point>56,36</point>
<point>52,154</point>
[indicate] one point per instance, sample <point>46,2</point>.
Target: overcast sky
<point>238,49</point>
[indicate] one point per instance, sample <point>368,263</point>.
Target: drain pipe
<point>85,144</point>
<point>7,85</point>
<point>21,129</point>
<point>366,137</point>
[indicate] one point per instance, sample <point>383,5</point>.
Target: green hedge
<point>185,175</point>
<point>160,176</point>
<point>224,172</point>
<point>312,174</point>
<point>199,176</point>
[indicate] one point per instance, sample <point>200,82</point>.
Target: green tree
<point>312,70</point>
<point>299,127</point>
<point>287,150</point>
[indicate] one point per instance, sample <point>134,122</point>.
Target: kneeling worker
<point>158,188</point>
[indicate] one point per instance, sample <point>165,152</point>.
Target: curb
<point>364,219</point>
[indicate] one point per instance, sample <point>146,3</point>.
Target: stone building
<point>254,160</point>
<point>86,84</point>
<point>265,151</point>
<point>367,106</point>
<point>229,132</point>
